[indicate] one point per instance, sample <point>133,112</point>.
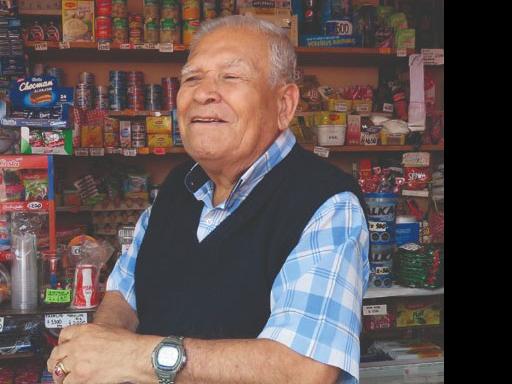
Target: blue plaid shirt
<point>316,298</point>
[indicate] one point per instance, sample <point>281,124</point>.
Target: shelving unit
<point>397,291</point>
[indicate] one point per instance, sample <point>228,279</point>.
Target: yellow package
<point>78,20</point>
<point>159,140</point>
<point>159,124</point>
<point>91,136</point>
<point>414,314</point>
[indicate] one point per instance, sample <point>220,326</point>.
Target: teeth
<point>206,120</point>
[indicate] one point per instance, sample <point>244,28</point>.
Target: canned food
<point>58,73</point>
<point>101,99</point>
<point>139,143</point>
<point>209,10</point>
<point>36,32</point>
<point>136,35</point>
<point>125,135</point>
<point>135,21</point>
<point>227,7</point>
<point>138,136</point>
<point>138,127</point>
<point>86,78</point>
<point>151,9</point>
<point>52,32</point>
<point>120,30</point>
<point>170,31</point>
<point>170,87</point>
<point>170,9</point>
<point>191,10</point>
<point>153,93</point>
<point>103,8</point>
<point>83,96</point>
<point>38,69</point>
<point>151,31</point>
<point>119,8</point>
<point>190,27</point>
<point>103,28</point>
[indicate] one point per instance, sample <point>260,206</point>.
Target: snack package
<point>78,20</point>
<point>36,185</point>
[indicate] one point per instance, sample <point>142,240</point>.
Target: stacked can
<point>153,97</point>
<point>138,134</point>
<point>58,73</point>
<point>103,21</point>
<point>135,29</point>
<point>151,21</point>
<point>38,69</point>
<point>209,10</point>
<point>170,22</point>
<point>84,91</point>
<point>119,9</point>
<point>135,90</point>
<point>190,16</point>
<point>170,87</point>
<point>117,90</point>
<point>101,98</point>
<point>120,30</point>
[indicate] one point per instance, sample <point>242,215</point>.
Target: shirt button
<point>209,221</point>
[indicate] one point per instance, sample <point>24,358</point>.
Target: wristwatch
<point>168,358</point>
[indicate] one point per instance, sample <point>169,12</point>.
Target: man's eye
<point>231,77</point>
<point>190,79</point>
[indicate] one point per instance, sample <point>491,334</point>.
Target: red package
<point>371,323</point>
<point>417,177</point>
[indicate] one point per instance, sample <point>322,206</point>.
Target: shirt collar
<point>199,184</point>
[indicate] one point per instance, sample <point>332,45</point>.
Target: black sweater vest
<point>220,287</point>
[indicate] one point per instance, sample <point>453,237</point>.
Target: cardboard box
<point>282,17</point>
<point>42,142</point>
<point>159,124</point>
<point>78,20</point>
<point>159,140</point>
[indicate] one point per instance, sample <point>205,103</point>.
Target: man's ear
<point>287,104</point>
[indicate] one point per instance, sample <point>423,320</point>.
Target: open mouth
<point>207,120</point>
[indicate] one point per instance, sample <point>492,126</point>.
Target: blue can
<point>381,217</point>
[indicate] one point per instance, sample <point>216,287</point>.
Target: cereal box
<point>78,20</point>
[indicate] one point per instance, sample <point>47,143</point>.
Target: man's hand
<point>102,354</point>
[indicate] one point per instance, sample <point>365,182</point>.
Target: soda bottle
<point>310,25</point>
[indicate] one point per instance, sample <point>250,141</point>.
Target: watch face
<point>167,357</point>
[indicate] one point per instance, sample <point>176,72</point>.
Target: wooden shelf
<point>130,113</point>
<point>397,291</point>
<point>20,355</point>
<point>313,56</point>
<point>379,148</point>
<point>40,12</point>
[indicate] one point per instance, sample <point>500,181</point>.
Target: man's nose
<point>207,92</point>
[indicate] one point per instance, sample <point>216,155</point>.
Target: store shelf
<point>87,208</point>
<point>21,355</point>
<point>151,53</point>
<point>130,113</point>
<point>380,148</point>
<point>40,12</point>
<point>6,310</point>
<point>397,291</point>
<point>407,371</point>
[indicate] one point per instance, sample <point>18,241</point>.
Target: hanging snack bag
<point>36,186</point>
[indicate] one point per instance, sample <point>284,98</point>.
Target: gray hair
<point>281,52</point>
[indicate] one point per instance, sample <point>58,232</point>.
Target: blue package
<point>407,233</point>
<point>39,92</point>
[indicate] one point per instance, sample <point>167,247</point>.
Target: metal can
<point>138,127</point>
<point>103,7</point>
<point>153,93</point>
<point>209,9</point>
<point>85,287</point>
<point>86,77</point>
<point>58,73</point>
<point>120,30</point>
<point>101,98</point>
<point>170,9</point>
<point>170,31</point>
<point>83,96</point>
<point>170,87</point>
<point>190,27</point>
<point>103,28</point>
<point>190,10</point>
<point>119,8</point>
<point>151,31</point>
<point>139,143</point>
<point>151,9</point>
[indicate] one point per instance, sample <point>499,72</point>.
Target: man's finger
<point>68,333</point>
<point>58,354</point>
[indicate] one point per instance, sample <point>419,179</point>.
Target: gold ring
<point>60,370</point>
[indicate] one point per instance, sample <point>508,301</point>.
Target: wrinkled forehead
<point>230,46</point>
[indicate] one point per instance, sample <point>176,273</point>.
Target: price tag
<point>138,46</point>
<point>97,151</point>
<point>125,46</point>
<point>166,47</point>
<point>129,151</point>
<point>159,151</point>
<point>64,45</point>
<point>321,151</point>
<point>103,46</point>
<point>1,324</point>
<point>386,107</point>
<point>62,320</point>
<point>149,46</point>
<point>377,226</point>
<point>433,56</point>
<point>373,310</point>
<point>401,52</point>
<point>81,151</point>
<point>41,46</point>
<point>57,296</point>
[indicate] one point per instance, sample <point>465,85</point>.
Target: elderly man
<point>252,263</point>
